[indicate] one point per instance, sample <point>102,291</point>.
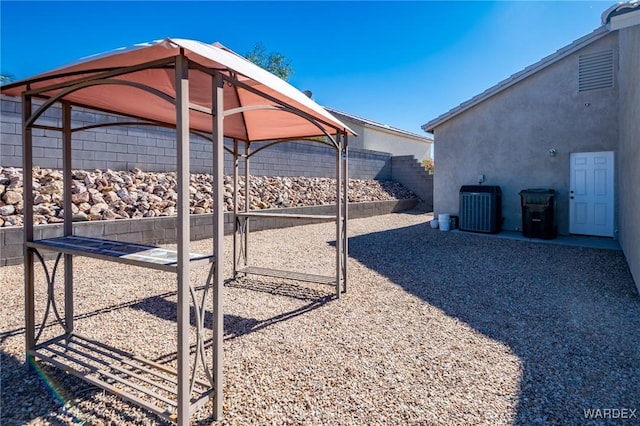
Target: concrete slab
<point>565,240</point>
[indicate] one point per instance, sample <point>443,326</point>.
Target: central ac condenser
<point>480,208</point>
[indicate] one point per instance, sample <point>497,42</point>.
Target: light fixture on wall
<point>553,152</point>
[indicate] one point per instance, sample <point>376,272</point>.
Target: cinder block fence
<point>153,149</point>
<point>162,230</point>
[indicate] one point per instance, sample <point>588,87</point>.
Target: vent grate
<point>475,213</point>
<point>595,71</point>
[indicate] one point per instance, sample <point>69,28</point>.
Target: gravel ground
<point>437,328</point>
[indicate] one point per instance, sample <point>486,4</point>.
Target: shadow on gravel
<point>285,288</point>
<point>52,322</point>
<point>55,397</point>
<point>571,315</point>
<point>236,326</point>
<point>15,403</point>
<point>58,392</point>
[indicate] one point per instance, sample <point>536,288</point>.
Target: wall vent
<point>595,71</point>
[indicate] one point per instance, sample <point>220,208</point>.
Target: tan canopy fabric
<point>249,125</point>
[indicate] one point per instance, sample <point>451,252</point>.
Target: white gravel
<point>437,328</point>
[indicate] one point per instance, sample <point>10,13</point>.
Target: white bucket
<point>443,221</point>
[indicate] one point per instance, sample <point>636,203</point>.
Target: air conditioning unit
<point>480,208</point>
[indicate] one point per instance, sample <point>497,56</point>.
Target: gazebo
<point>199,89</point>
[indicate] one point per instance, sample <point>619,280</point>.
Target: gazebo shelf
<point>324,217</point>
<point>148,384</point>
<point>290,275</point>
<point>147,256</point>
<point>242,226</point>
<point>138,380</point>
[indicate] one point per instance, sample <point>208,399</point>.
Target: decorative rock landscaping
<point>108,194</point>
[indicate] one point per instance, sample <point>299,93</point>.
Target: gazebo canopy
<point>151,65</point>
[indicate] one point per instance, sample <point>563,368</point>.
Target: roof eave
<point>378,126</point>
<point>399,132</point>
<point>545,62</point>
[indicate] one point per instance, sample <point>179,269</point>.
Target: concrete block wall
<point>121,148</point>
<point>364,164</point>
<point>162,230</point>
<point>153,148</point>
<point>408,171</point>
<point>313,160</point>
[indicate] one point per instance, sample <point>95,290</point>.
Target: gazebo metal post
<point>68,215</point>
<point>27,170</point>
<point>338,216</point>
<point>247,202</point>
<point>183,237</point>
<point>218,239</point>
<point>235,208</point>
<point>345,215</point>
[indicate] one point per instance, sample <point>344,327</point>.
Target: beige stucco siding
<point>629,148</point>
<point>376,139</point>
<point>507,138</point>
<point>358,140</point>
<point>379,140</point>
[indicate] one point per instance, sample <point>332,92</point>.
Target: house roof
<point>619,9</point>
<point>384,127</point>
<point>139,81</point>
<point>517,77</point>
<point>611,12</point>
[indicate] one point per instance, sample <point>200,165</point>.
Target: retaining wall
<point>162,230</point>
<point>408,171</point>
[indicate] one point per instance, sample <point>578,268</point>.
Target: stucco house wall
<point>380,140</point>
<point>374,136</point>
<point>629,148</point>
<point>507,137</point>
<point>355,141</point>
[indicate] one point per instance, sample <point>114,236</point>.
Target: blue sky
<point>399,63</point>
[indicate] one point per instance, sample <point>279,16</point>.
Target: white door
<point>591,194</point>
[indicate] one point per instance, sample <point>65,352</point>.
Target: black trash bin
<point>538,207</point>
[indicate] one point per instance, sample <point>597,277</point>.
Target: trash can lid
<point>537,196</point>
<point>537,191</point>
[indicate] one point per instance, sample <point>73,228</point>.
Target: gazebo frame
<point>175,395</point>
